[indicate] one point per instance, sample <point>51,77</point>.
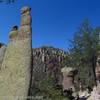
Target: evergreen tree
<point>83,53</point>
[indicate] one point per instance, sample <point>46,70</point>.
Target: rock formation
<point>15,69</point>
<point>47,63</point>
<point>94,94</point>
<point>68,78</point>
<point>2,53</point>
<point>48,60</point>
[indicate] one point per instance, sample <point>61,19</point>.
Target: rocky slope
<point>48,61</point>
<point>50,57</point>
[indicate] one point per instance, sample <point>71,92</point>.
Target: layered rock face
<point>15,69</point>
<point>48,60</point>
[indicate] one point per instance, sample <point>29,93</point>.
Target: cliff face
<point>48,61</point>
<point>15,69</point>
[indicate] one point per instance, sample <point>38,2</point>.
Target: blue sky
<point>54,21</point>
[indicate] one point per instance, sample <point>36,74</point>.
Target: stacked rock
<point>16,66</point>
<point>25,23</point>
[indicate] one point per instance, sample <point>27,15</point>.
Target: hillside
<point>47,62</point>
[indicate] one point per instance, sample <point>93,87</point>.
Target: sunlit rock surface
<point>15,69</point>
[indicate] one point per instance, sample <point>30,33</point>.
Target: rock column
<point>16,66</point>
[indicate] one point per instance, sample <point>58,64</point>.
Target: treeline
<point>83,53</point>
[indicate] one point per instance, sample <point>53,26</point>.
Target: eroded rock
<point>68,78</point>
<point>16,66</point>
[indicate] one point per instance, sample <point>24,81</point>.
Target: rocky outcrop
<point>2,52</point>
<point>52,58</point>
<point>15,69</point>
<point>68,78</point>
<point>47,62</point>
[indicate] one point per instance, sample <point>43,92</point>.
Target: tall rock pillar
<point>16,66</point>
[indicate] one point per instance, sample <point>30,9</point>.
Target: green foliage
<point>48,90</point>
<point>83,52</point>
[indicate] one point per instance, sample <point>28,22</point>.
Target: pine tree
<point>83,52</point>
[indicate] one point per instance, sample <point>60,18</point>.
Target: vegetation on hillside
<point>82,56</point>
<point>83,53</point>
<point>48,90</point>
